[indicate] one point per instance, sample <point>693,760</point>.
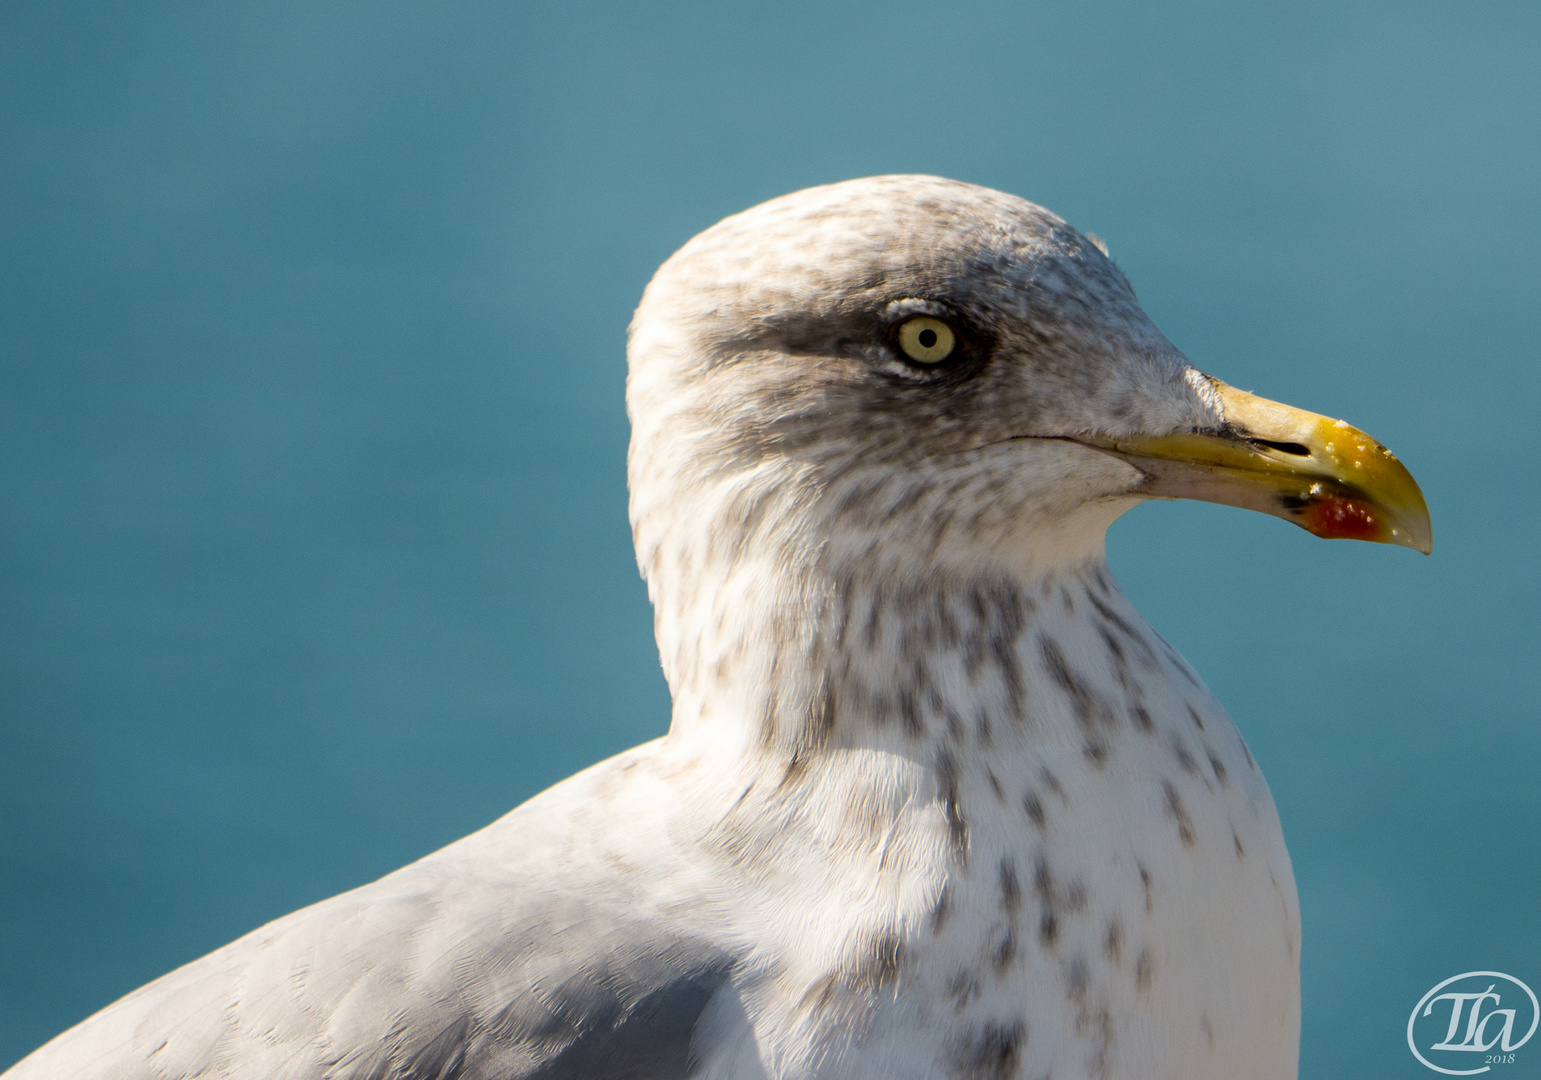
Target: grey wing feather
<point>465,966</point>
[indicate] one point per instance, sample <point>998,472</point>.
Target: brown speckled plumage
<point>935,802</point>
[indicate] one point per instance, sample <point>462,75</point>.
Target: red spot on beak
<point>1335,518</point>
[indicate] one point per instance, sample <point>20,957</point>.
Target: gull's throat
<point>954,664</point>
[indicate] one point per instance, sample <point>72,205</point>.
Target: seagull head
<point>915,375</point>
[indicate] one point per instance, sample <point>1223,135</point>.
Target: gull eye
<point>926,340</point>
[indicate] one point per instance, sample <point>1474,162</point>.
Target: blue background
<point>313,547</point>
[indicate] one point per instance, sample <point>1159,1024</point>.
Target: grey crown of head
<point>762,355</point>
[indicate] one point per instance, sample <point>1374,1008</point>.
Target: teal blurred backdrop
<point>313,540</point>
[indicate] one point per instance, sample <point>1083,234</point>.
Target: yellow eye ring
<point>926,340</point>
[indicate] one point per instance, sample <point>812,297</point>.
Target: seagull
<point>935,801</point>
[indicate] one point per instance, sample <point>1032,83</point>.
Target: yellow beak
<point>1331,479</point>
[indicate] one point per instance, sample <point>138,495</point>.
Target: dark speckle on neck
<point>1218,766</point>
<point>957,826</point>
<point>1144,971</point>
<point>991,1051</point>
<point>1034,809</point>
<point>1178,813</point>
<point>1113,943</point>
<point>1087,705</point>
<point>1011,889</point>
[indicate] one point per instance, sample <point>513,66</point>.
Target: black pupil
<point>927,338</point>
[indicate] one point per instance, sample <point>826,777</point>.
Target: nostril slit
<point>1298,449</point>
